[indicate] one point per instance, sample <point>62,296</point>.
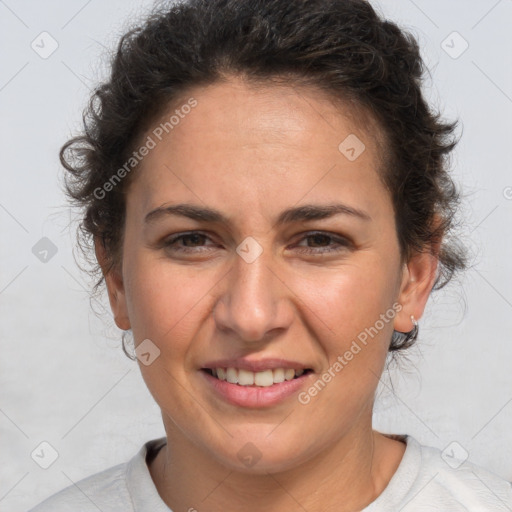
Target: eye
<point>195,238</point>
<point>325,242</point>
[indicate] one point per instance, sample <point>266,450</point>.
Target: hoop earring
<point>404,340</point>
<point>123,341</point>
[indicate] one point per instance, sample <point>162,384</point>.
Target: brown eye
<point>323,242</point>
<point>192,242</point>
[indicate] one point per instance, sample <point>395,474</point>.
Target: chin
<point>260,456</point>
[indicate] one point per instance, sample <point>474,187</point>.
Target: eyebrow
<point>303,213</point>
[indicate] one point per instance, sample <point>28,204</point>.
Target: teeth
<point>246,378</point>
<point>264,378</point>
<point>289,373</point>
<point>278,375</point>
<point>232,375</point>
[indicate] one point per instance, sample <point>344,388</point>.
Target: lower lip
<point>255,396</point>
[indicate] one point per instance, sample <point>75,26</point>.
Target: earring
<point>128,333</point>
<point>415,326</point>
<point>403,340</point>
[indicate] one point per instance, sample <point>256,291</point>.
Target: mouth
<point>264,378</point>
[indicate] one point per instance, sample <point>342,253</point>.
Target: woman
<point>267,195</point>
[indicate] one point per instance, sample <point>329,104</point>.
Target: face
<point>249,288</point>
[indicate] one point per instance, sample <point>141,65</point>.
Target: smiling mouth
<point>263,378</point>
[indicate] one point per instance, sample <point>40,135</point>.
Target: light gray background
<point>64,377</point>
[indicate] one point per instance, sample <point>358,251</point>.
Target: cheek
<point>356,304</point>
<point>165,306</point>
<point>162,298</point>
<point>355,347</point>
<point>352,297</point>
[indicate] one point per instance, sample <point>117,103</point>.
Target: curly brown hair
<point>342,47</point>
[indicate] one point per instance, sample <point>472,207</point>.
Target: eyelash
<point>343,242</point>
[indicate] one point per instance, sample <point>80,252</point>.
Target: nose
<point>254,301</point>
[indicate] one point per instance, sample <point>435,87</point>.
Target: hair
<point>341,47</point>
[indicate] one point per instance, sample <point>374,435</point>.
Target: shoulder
<point>123,488</point>
<point>105,491</point>
<point>447,480</point>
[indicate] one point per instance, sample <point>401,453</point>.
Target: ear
<point>115,287</point>
<point>418,278</point>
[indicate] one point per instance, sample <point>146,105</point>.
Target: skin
<point>252,152</point>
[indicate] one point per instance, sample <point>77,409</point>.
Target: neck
<point>345,477</point>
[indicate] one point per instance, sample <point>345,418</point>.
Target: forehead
<point>272,112</point>
<point>280,141</point>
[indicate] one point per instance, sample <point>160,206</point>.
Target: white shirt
<point>423,482</point>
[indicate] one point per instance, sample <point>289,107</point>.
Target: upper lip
<point>255,365</point>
